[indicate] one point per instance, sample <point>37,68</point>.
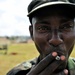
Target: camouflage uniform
<point>24,68</point>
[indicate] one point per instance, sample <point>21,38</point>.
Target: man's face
<point>53,32</point>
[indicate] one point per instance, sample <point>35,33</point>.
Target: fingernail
<point>62,57</point>
<point>66,71</point>
<point>54,54</point>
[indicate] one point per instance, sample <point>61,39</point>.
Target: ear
<point>31,31</point>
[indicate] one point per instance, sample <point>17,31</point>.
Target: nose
<point>55,40</point>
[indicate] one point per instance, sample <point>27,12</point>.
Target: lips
<point>60,53</point>
<point>59,49</point>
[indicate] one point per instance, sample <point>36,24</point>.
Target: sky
<point>13,18</point>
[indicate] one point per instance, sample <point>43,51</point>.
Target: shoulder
<point>23,68</point>
<point>71,63</point>
<point>72,59</point>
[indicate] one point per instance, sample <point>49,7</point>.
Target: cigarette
<point>57,58</point>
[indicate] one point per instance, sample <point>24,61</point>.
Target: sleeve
<point>21,69</point>
<point>18,72</point>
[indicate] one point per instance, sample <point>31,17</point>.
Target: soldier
<point>53,32</point>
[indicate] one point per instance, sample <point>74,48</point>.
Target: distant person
<point>53,31</point>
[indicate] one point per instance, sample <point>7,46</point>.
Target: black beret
<point>38,4</point>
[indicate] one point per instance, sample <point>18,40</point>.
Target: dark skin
<point>53,34</point>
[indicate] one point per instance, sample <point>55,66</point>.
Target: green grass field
<point>18,53</point>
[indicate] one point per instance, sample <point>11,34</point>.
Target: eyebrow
<point>63,20</point>
<point>71,23</point>
<point>44,22</point>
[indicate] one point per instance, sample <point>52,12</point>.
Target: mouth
<point>60,53</point>
<point>59,50</point>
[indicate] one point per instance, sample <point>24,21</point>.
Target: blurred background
<point>16,45</point>
<point>13,17</point>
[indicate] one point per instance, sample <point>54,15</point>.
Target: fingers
<point>49,70</point>
<point>66,72</point>
<point>62,58</point>
<point>54,54</point>
<point>48,65</point>
<point>44,62</point>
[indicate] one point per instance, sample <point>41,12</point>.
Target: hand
<point>48,67</point>
<point>64,72</point>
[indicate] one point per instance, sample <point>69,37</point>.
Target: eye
<point>43,29</point>
<point>67,26</point>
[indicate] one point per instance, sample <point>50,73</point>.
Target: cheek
<point>39,38</point>
<point>40,42</point>
<point>69,40</point>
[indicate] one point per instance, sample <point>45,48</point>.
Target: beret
<point>38,4</point>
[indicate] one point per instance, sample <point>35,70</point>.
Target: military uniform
<point>24,68</point>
